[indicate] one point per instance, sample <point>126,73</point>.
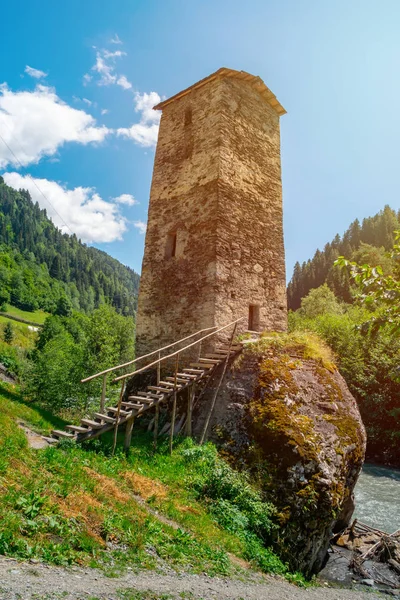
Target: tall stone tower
<point>214,243</point>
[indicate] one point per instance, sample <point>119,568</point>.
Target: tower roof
<point>254,81</point>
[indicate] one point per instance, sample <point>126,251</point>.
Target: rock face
<point>290,419</point>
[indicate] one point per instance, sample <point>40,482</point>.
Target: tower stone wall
<point>214,241</point>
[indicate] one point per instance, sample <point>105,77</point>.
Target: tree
<point>320,301</point>
<point>377,291</point>
<point>8,333</point>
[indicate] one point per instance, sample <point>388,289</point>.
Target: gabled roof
<point>255,82</point>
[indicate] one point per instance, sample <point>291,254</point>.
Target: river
<point>377,497</point>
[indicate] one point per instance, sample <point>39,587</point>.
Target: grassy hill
<point>71,504</point>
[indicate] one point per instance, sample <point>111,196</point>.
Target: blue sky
<point>89,142</point>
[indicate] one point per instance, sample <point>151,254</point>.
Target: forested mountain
<point>364,242</point>
<point>41,267</point>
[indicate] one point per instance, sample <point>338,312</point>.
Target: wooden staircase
<point>136,405</point>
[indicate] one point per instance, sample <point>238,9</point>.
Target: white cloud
<point>87,215</point>
<point>117,54</point>
<point>141,226</point>
<point>36,124</point>
<point>104,111</point>
<point>115,40</point>
<point>105,71</point>
<point>105,67</point>
<point>145,133</point>
<point>87,78</point>
<point>127,199</point>
<point>123,82</point>
<point>87,101</point>
<point>36,73</point>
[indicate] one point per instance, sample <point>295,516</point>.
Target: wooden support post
<point>156,419</point>
<point>206,424</point>
<point>121,395</point>
<point>171,434</point>
<point>128,435</point>
<point>191,393</point>
<point>103,394</point>
<point>159,369</point>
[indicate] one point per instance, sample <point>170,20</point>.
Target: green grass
<point>24,337</point>
<point>37,316</point>
<point>72,504</point>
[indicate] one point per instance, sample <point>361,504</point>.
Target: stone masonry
<point>214,243</point>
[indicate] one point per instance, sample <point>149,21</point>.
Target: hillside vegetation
<point>364,243</point>
<point>43,268</point>
<point>72,504</point>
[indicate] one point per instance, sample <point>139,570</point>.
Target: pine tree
<point>8,333</point>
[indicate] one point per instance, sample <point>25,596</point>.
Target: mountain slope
<point>40,265</point>
<point>374,233</point>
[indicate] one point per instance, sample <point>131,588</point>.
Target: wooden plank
<point>178,379</point>
<point>116,410</point>
<point>149,395</point>
<point>141,398</point>
<point>202,365</point>
<point>159,389</point>
<point>91,424</point>
<point>104,418</point>
<point>187,375</point>
<point>77,428</point>
<point>195,371</point>
<point>169,384</point>
<point>212,361</point>
<point>62,434</point>
<point>132,406</point>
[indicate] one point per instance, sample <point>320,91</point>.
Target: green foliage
<point>67,504</point>
<point>320,301</point>
<point>369,365</point>
<point>69,348</point>
<point>8,333</point>
<point>377,291</point>
<point>41,267</point>
<point>361,243</point>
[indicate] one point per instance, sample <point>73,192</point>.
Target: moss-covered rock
<point>285,413</point>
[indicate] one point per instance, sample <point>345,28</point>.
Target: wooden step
<point>149,395</point>
<point>164,390</point>
<point>212,361</point>
<point>105,418</point>
<point>114,409</point>
<point>77,429</point>
<point>187,376</point>
<point>62,434</point>
<point>133,406</point>
<point>169,384</point>
<point>235,348</point>
<point>217,356</point>
<point>195,372</point>
<point>178,379</point>
<point>92,424</point>
<point>143,398</point>
<point>202,365</point>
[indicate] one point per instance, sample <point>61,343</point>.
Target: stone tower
<point>214,243</point>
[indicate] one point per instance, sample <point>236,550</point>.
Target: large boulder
<point>285,413</point>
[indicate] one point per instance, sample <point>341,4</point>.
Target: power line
<point>34,182</point>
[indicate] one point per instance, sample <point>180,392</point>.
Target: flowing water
<point>377,496</point>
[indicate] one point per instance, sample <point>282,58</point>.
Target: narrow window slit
<point>170,250</point>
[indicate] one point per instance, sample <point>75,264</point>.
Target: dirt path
<point>29,581</point>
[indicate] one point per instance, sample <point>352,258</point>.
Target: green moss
<point>298,344</point>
